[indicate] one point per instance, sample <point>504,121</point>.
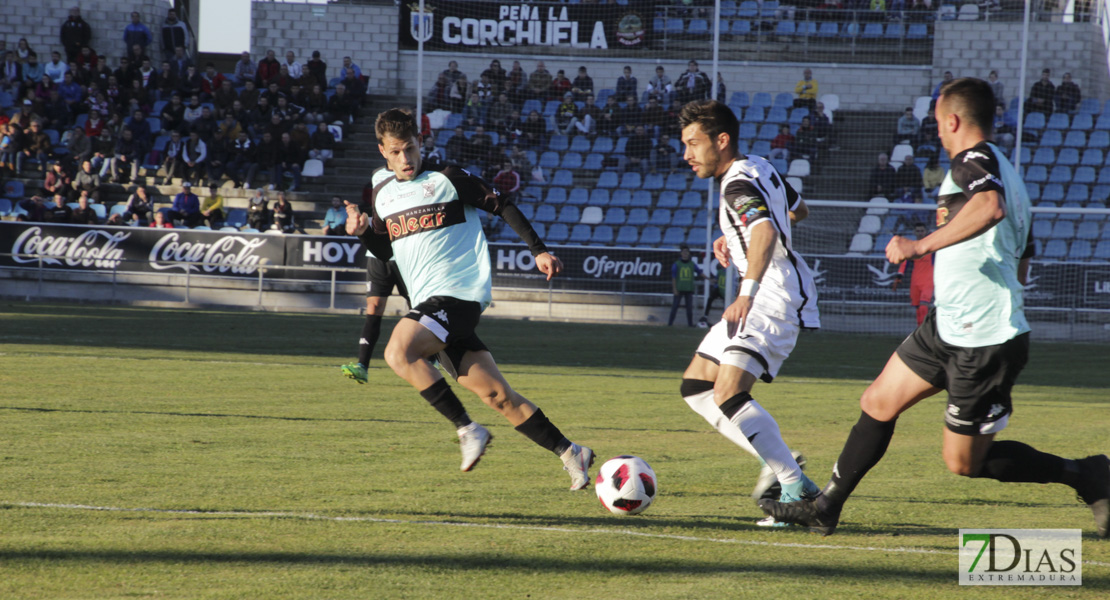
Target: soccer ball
<point>625,485</point>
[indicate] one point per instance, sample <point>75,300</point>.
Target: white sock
<point>704,405</point>
<point>757,427</point>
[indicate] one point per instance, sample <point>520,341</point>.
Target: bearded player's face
<point>702,153</point>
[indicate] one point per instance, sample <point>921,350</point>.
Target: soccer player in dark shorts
<point>975,340</point>
<point>428,221</point>
<point>382,276</point>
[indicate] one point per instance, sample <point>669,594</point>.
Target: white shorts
<point>760,349</point>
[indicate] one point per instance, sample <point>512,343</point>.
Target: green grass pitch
<point>250,468</point>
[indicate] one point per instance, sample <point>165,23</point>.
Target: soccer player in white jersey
<point>428,222</point>
<point>975,340</point>
<point>777,296</point>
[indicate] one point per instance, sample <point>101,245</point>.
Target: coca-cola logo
<point>93,248</point>
<point>230,253</point>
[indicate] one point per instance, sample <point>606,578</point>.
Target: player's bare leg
<point>479,373</point>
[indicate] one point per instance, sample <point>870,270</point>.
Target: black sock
<point>1012,461</point>
<point>540,430</point>
<point>733,405</point>
<point>371,330</point>
<point>866,445</point>
<point>443,399</point>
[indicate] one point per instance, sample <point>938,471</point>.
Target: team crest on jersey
<point>429,189</point>
<point>942,216</point>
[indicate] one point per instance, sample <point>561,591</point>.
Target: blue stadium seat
<point>700,185</point>
<point>651,236</point>
<point>631,180</point>
<point>236,217</point>
<point>599,197</point>
<point>1085,175</point>
<point>1044,156</point>
<point>673,27</point>
<point>1059,174</point>
<point>850,31</point>
<point>578,196</point>
<point>1103,122</point>
<point>453,120</point>
<point>603,144</point>
<point>545,213</point>
<point>549,160</point>
<point>1053,192</point>
<point>769,9</point>
<point>1034,121</point>
<point>1042,227</point>
<point>653,182</point>
<point>740,99</point>
<point>1099,191</point>
<point>580,234</point>
<point>556,195</point>
<point>1078,192</point>
<point>603,234</point>
<point>1104,175</point>
<point>828,30</point>
<point>1036,174</point>
<point>675,182</point>
<point>626,236</point>
<point>797,115</point>
<point>620,145</point>
<point>608,179</point>
<point>692,200</point>
<point>785,29</point>
<point>557,233</point>
<point>569,214</point>
<point>558,143</point>
<point>682,218</point>
<point>1079,250</point>
<point>641,199</point>
<point>529,106</point>
<point>740,27</point>
<point>748,9</point>
<point>580,143</point>
<point>917,31</point>
<point>660,217</point>
<point>1092,157</point>
<point>673,237</point>
<point>667,199</point>
<point>13,189</point>
<point>696,237</point>
<point>754,114</point>
<point>1102,250</point>
<point>806,29</point>
<point>1058,121</point>
<point>1069,216</point>
<point>595,161</point>
<point>1075,139</point>
<point>762,100</point>
<point>563,177</point>
<point>637,217</point>
<point>551,107</point>
<point>895,31</point>
<point>872,31</point>
<point>759,148</point>
<point>768,131</point>
<point>571,160</point>
<point>698,27</point>
<point>1087,230</point>
<point>614,216</point>
<point>1068,157</point>
<point>1099,139</point>
<point>777,115</point>
<point>621,198</point>
<point>1052,138</point>
<point>747,131</point>
<point>1083,122</point>
<point>728,8</point>
<point>1034,191</point>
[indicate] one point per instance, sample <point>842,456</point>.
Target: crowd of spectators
<point>84,119</point>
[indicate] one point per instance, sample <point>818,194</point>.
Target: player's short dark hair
<point>971,99</point>
<point>714,119</point>
<point>397,123</point>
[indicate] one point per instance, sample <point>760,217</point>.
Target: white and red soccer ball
<point>626,485</point>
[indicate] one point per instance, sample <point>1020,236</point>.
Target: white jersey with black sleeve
<point>754,194</point>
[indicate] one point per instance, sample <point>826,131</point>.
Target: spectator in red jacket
<point>507,181</point>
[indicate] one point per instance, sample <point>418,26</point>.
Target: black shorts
<point>453,321</point>
<point>382,276</point>
<point>978,380</point>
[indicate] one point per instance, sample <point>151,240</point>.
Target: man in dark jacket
<point>290,158</point>
<point>76,33</point>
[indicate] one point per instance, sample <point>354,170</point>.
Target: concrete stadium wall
<point>41,23</point>
<point>974,49</point>
<point>365,32</point>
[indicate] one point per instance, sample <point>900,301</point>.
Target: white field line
<point>594,531</point>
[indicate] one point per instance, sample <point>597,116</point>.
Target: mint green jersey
<point>979,298</point>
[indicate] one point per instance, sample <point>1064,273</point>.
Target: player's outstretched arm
<point>983,211</point>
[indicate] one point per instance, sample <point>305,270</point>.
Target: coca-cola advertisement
<point>137,249</point>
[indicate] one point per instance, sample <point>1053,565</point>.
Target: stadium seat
<point>754,114</point>
<point>850,31</point>
<point>558,143</point>
<point>900,152</point>
<point>799,167</point>
<point>1069,216</point>
<point>1092,157</point>
<point>549,160</point>
<point>594,162</point>
<point>797,114</point>
<point>556,196</point>
<point>627,236</point>
<point>1034,191</point>
<point>551,107</point>
<point>1087,230</point>
<point>673,237</point>
<point>699,185</point>
<point>1103,121</point>
<point>1068,157</point>
<point>603,144</point>
<point>728,8</point>
<point>740,27</point>
<point>545,213</point>
<point>692,200</point>
<point>1055,249</point>
<point>878,206</point>
<point>667,199</point>
<point>651,236</point>
<point>631,180</point>
<point>557,233</point>
<point>740,99</point>
<point>768,131</point>
<point>13,189</point>
<point>969,12</point>
<point>637,217</point>
<point>748,9</point>
<point>861,244</point>
<point>1053,192</point>
<point>917,31</point>
<point>602,234</point>
<point>1059,174</point>
<point>762,100</point>
<point>683,218</point>
<point>641,199</point>
<point>779,164</point>
<point>1079,250</point>
<point>599,197</point>
<point>1090,106</point>
<point>760,148</point>
<point>673,27</point>
<point>621,198</point>
<point>591,215</point>
<point>569,214</point>
<point>872,31</point>
<point>785,29</point>
<point>613,216</point>
<point>1042,228</point>
<point>653,182</point>
<point>871,224</point>
<point>777,115</point>
<point>1084,175</point>
<point>660,217</point>
<point>1083,122</point>
<point>571,161</point>
<point>620,145</point>
<point>1035,121</point>
<point>312,168</point>
<point>578,196</point>
<point>580,143</point>
<point>580,234</point>
<point>236,217</point>
<point>1044,156</point>
<point>675,182</point>
<point>1102,250</point>
<point>806,29</point>
<point>1075,139</point>
<point>5,207</point>
<point>1058,121</point>
<point>608,180</point>
<point>895,31</point>
<point>698,27</point>
<point>828,30</point>
<point>748,131</point>
<point>1062,230</point>
<point>1099,139</point>
<point>1052,138</point>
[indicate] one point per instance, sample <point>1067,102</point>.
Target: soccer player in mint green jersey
<point>974,342</point>
<point>428,222</point>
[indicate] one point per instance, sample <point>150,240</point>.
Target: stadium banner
<point>454,25</point>
<point>79,247</point>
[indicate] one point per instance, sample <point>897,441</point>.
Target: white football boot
<point>473,439</point>
<point>577,461</point>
